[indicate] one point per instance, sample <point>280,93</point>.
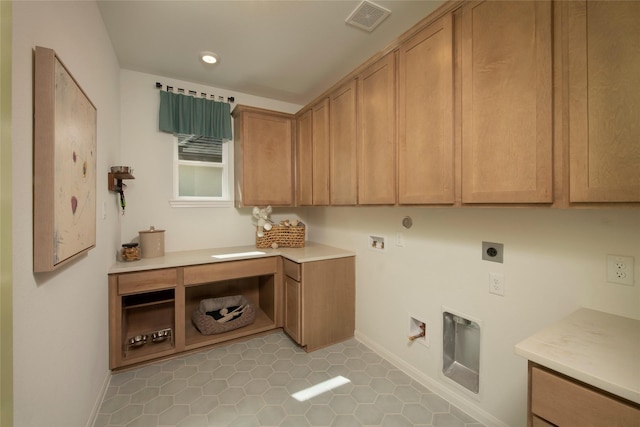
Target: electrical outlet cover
<point>496,284</point>
<point>620,269</point>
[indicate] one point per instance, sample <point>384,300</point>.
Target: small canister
<point>152,242</point>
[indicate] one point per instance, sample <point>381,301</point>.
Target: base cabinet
<point>163,301</point>
<point>557,400</point>
<point>319,301</point>
<point>141,304</point>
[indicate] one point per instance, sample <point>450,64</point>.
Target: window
<point>201,172</point>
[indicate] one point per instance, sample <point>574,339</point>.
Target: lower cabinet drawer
<point>144,281</point>
<point>564,402</point>
<point>292,269</point>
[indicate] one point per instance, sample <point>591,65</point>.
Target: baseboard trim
<point>96,406</point>
<point>461,403</point>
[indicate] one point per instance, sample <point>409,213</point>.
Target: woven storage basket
<point>207,325</point>
<point>286,236</point>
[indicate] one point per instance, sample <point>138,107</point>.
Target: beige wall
<point>554,262</point>
<point>60,318</point>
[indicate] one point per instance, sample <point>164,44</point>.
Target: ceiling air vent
<point>367,16</point>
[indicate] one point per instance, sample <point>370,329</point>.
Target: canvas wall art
<point>64,175</point>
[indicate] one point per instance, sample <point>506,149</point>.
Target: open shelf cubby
<point>142,315</point>
<point>258,290</point>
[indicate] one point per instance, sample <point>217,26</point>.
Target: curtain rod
<point>230,99</point>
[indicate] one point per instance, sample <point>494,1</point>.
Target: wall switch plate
<point>496,283</point>
<point>400,238</point>
<point>620,269</point>
<point>492,251</point>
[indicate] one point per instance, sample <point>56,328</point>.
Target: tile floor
<point>250,384</point>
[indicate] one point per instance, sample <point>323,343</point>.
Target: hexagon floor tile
<point>240,385</point>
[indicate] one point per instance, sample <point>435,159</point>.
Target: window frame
<point>226,200</point>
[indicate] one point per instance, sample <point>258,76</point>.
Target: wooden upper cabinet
<point>304,158</point>
<point>507,102</point>
<point>342,137</point>
<point>321,152</point>
<point>377,133</point>
<point>604,101</point>
<point>263,157</point>
<point>425,116</point>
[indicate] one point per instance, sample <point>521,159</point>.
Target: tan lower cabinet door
<point>292,305</point>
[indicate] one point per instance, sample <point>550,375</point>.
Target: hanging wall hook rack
<point>115,184</point>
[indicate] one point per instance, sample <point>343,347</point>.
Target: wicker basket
<point>206,323</point>
<point>285,236</point>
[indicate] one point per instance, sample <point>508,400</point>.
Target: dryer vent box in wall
<point>461,351</point>
<point>493,252</point>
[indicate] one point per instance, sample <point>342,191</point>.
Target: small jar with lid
<point>130,252</point>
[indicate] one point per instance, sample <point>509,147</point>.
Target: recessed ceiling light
<point>208,57</point>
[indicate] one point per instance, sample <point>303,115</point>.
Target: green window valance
<point>183,114</point>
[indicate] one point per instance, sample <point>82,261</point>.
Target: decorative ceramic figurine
<point>262,219</point>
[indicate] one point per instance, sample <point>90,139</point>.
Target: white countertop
<point>594,347</point>
<point>310,252</point>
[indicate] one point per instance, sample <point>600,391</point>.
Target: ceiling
<point>288,50</point>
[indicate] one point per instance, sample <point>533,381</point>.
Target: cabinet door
<point>604,101</point>
<point>377,133</point>
<point>328,302</point>
<point>263,150</point>
<point>321,153</point>
<point>506,102</point>
<point>342,131</point>
<point>304,156</point>
<point>425,116</point>
<point>292,312</point>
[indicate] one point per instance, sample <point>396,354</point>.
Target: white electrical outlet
<point>620,269</point>
<point>400,239</point>
<point>496,283</point>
